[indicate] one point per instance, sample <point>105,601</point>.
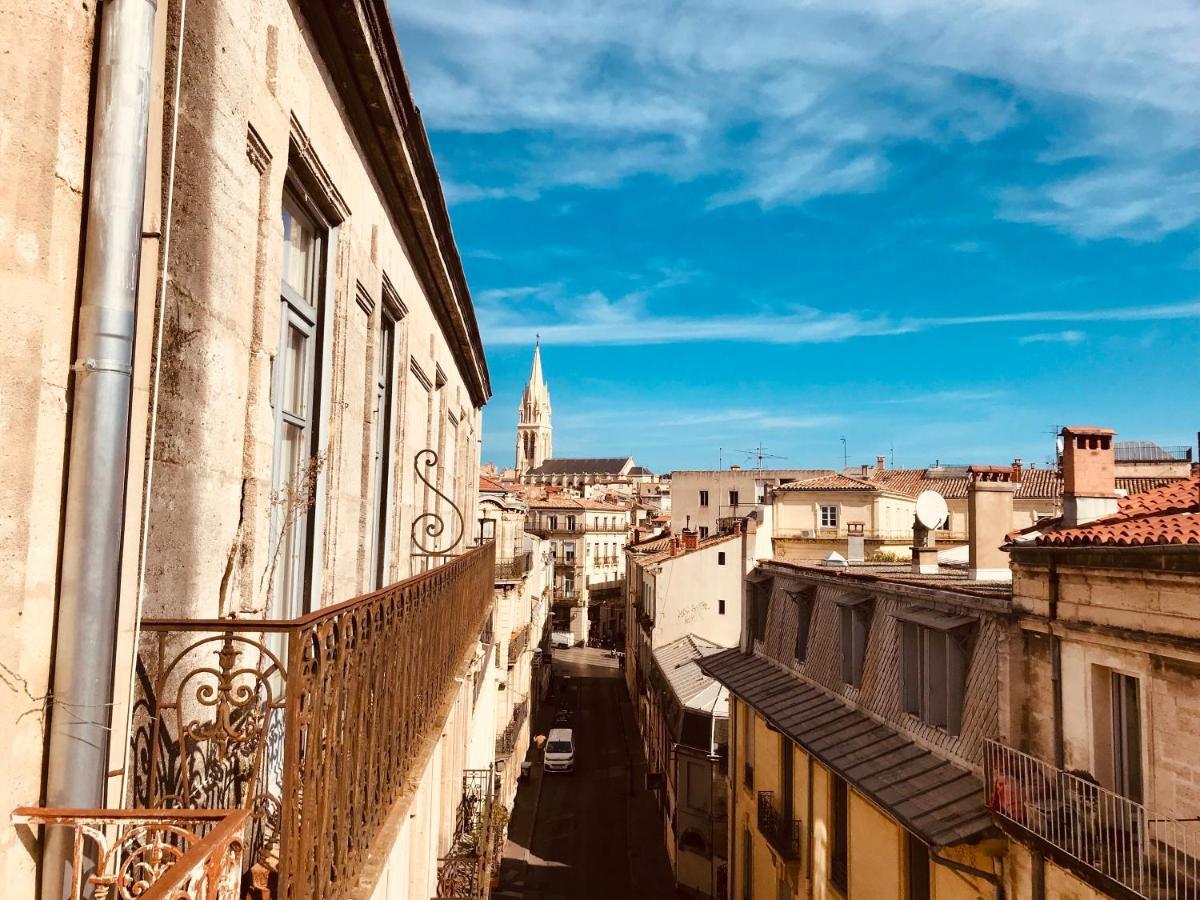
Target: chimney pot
<point>1016,469</point>
<point>1089,474</point>
<point>880,463</point>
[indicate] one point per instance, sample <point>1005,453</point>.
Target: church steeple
<point>534,433</point>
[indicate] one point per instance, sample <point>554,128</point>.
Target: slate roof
<point>938,801</point>
<point>1165,515</point>
<point>640,470</point>
<point>695,690</point>
<point>601,465</point>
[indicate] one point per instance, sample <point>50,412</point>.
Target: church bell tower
<point>534,441</point>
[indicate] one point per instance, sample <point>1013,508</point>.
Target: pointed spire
<point>535,374</point>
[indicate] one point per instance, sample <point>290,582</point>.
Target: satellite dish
<point>931,509</point>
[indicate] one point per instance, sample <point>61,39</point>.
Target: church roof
<point>601,465</point>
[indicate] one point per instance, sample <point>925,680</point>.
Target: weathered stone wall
<point>44,92</point>
<point>252,79</point>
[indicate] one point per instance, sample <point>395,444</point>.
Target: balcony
<point>517,642</point>
<point>312,726</point>
<point>1124,847</point>
<point>568,562</point>
<point>465,870</point>
<point>507,742</point>
<point>566,597</point>
<point>513,568</point>
<point>152,854</point>
<point>781,833</point>
<point>608,527</point>
<point>546,526</point>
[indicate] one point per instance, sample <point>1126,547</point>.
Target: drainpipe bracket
<point>102,365</point>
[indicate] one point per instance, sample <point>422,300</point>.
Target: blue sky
<point>936,229</point>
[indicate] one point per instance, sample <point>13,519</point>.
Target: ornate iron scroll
<point>429,528</point>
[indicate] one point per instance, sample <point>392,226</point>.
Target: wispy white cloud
<point>596,319</point>
<point>801,100</point>
<point>1070,336</point>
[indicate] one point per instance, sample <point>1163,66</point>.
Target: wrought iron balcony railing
<point>151,854</point>
<point>1078,821</point>
<point>517,642</point>
<point>563,596</point>
<point>465,869</point>
<point>314,725</point>
<point>513,568</point>
<point>781,833</point>
<point>507,742</point>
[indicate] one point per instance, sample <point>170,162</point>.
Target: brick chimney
<point>688,539</point>
<point>1089,474</point>
<point>1016,470</point>
<point>989,520</point>
<point>880,463</point>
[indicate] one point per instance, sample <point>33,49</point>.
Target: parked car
<point>559,755</point>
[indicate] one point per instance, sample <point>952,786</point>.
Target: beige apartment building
<point>899,732</point>
<point>815,516</point>
<point>1092,775</point>
<point>246,320</point>
<point>700,499</point>
<point>586,540</point>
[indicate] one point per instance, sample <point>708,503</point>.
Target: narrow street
<point>584,835</point>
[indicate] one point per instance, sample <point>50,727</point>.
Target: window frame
<point>935,658</point>
<point>855,637</point>
<point>829,515</point>
<point>703,498</point>
<point>805,600</point>
<point>313,321</point>
<point>387,383</point>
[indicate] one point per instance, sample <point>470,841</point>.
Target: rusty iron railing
<point>507,742</point>
<point>513,568</point>
<point>517,642</point>
<point>465,869</point>
<point>1080,822</point>
<point>317,725</point>
<point>781,833</point>
<point>151,854</point>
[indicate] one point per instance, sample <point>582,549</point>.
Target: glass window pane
<point>295,372</point>
<point>299,238</point>
<point>292,522</point>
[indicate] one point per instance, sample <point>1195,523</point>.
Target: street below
<point>587,834</point>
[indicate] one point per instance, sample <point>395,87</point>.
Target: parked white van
<point>559,755</point>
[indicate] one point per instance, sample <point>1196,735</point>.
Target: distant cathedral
<point>534,442</point>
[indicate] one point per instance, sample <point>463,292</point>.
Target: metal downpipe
<point>93,518</point>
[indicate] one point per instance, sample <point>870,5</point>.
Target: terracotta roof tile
<point>831,482</point>
<point>487,484</point>
<point>1165,515</point>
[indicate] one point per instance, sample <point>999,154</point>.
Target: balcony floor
<point>582,835</point>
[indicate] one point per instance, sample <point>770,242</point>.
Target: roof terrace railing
<point>1101,832</point>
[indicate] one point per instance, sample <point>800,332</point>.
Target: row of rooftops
<point>1032,483</point>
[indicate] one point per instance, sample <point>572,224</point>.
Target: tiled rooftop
<point>1165,515</point>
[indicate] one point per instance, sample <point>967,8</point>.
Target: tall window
<point>856,623</point>
<point>933,674</point>
<point>839,838</point>
<point>294,400</point>
<point>385,403</point>
<point>704,498</point>
<point>721,558</point>
<point>760,605</point>
<point>804,607</point>
<point>1118,731</point>
<point>918,868</point>
<point>829,517</point>
<point>733,498</point>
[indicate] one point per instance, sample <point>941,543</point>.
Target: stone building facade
<point>306,375</point>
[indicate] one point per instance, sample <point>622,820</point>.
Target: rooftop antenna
<point>845,455</point>
<point>760,453</point>
<point>892,453</point>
